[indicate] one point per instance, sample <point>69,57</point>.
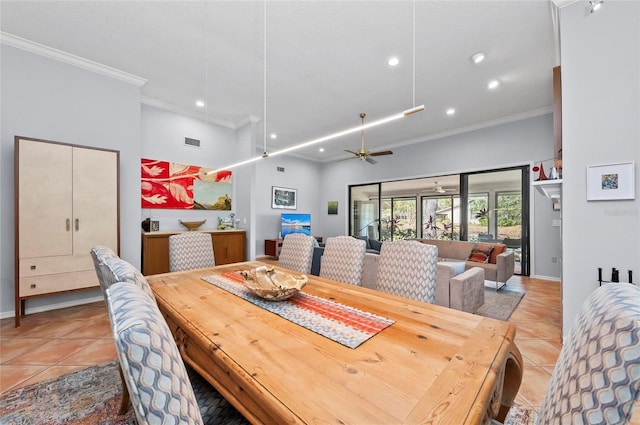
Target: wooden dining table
<point>433,365</point>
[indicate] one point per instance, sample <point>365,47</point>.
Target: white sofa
<point>499,268</point>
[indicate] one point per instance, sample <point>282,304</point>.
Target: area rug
<point>87,397</point>
<point>499,305</point>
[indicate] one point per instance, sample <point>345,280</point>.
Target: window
<point>398,219</point>
<point>478,223</point>
<point>441,217</point>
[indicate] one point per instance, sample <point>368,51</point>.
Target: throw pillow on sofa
<point>480,253</point>
<point>497,250</point>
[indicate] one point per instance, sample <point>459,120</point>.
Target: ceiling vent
<point>192,142</point>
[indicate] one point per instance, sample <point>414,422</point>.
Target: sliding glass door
<point>490,206</point>
<point>441,217</point>
<point>497,210</point>
<point>398,218</point>
<point>365,211</point>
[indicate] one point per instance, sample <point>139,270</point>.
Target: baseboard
<point>48,307</point>
<point>551,278</point>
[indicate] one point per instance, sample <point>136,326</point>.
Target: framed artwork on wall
<point>282,197</point>
<point>332,207</point>
<point>611,182</point>
<point>170,185</point>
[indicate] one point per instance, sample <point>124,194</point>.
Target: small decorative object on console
<point>192,225</point>
<point>272,284</point>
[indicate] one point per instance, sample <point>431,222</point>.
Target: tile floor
<point>53,343</point>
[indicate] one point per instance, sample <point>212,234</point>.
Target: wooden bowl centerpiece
<point>192,225</point>
<point>271,284</point>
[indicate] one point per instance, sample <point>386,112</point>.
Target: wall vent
<point>192,142</point>
<point>281,169</point>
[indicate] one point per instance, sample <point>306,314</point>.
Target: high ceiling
<point>326,61</point>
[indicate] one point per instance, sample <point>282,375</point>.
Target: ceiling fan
<point>364,154</point>
<point>439,189</point>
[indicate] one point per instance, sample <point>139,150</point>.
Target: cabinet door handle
<point>77,224</point>
<point>68,224</point>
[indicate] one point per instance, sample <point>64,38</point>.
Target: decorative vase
<point>542,175</point>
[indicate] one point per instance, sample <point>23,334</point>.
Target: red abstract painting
<point>177,186</point>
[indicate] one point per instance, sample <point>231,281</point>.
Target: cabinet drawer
<point>30,267</point>
<point>38,285</point>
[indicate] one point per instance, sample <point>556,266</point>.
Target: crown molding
<point>562,3</point>
<point>68,58</point>
<point>248,120</point>
<point>187,112</point>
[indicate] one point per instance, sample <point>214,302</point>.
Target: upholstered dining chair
<point>119,270</point>
<point>114,270</point>
<point>408,269</point>
<point>161,389</point>
<point>343,259</point>
<point>99,254</point>
<point>596,379</point>
<point>297,252</point>
<point>190,250</point>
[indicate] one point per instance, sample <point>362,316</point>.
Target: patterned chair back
<point>297,252</point>
<point>343,259</point>
<point>159,387</point>
<point>118,270</point>
<point>190,250</point>
<point>597,377</point>
<point>408,269</point>
<point>99,254</point>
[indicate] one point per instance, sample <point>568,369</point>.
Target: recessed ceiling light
<point>321,149</point>
<point>451,111</point>
<point>493,84</point>
<point>477,57</point>
<point>274,136</point>
<point>199,103</point>
<point>393,61</point>
<point>595,5</point>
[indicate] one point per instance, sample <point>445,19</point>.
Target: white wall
<point>299,174</point>
<point>601,125</point>
<point>163,134</point>
<point>46,99</point>
<point>517,143</point>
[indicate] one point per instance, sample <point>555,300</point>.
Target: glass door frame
<point>356,232</point>
<point>525,212</point>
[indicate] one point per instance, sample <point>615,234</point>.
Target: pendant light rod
<point>414,54</point>
<point>264,79</point>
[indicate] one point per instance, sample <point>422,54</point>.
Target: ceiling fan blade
<point>381,153</point>
<point>346,159</point>
<point>347,150</point>
<point>370,160</point>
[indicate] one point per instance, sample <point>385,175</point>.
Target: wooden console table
<point>272,246</point>
<point>229,246</point>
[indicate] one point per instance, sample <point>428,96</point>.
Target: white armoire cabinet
<point>66,201</point>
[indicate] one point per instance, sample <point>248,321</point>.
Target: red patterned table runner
<point>340,323</point>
